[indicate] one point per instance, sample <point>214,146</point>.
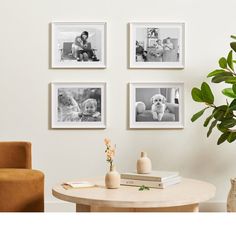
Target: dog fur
<point>158,106</point>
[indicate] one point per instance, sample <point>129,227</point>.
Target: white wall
<point>69,154</point>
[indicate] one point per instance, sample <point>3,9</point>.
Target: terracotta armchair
<point>21,188</point>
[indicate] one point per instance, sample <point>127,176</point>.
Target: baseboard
<point>60,206</point>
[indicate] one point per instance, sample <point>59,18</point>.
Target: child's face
<point>84,37</point>
<point>168,40</point>
<point>90,108</point>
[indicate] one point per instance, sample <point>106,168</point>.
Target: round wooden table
<point>182,197</point>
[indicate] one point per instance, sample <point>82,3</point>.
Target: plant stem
<point>231,71</point>
<point>111,165</point>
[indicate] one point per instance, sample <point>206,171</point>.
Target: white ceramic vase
<point>144,165</point>
<point>112,178</point>
<point>231,200</point>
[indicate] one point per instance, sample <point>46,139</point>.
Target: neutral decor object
<point>182,197</point>
<point>78,105</point>
<point>112,178</point>
<point>144,165</point>
<point>157,45</point>
<point>78,45</point>
<point>231,200</point>
<point>21,188</point>
<point>156,105</point>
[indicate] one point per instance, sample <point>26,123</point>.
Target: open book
<point>77,184</point>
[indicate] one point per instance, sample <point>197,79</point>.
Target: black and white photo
<point>78,105</point>
<point>78,45</point>
<point>156,45</point>
<point>156,105</point>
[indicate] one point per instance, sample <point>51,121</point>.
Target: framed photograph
<point>78,105</point>
<point>78,45</point>
<point>156,45</point>
<point>157,105</point>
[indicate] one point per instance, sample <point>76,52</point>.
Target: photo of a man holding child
<point>153,44</point>
<point>156,45</point>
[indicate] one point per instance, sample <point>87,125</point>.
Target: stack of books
<point>155,179</point>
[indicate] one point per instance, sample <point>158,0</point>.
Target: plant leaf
<point>229,92</point>
<point>231,137</point>
<point>232,108</point>
<point>197,95</point>
<point>207,121</point>
<point>207,94</point>
<point>198,114</point>
<point>233,46</point>
<point>223,63</point>
<point>213,124</point>
<point>232,105</point>
<point>230,60</point>
<point>231,80</point>
<point>223,138</point>
<point>234,88</point>
<point>222,129</point>
<point>216,72</point>
<point>228,123</point>
<point>223,77</point>
<point>233,36</point>
<point>219,112</point>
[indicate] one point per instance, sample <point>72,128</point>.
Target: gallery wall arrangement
<point>74,73</point>
<point>83,45</point>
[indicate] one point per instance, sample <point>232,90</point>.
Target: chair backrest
<point>67,48</point>
<point>15,155</point>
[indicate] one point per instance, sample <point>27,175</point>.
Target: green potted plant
<point>223,116</point>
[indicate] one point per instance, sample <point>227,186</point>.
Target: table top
<point>189,191</point>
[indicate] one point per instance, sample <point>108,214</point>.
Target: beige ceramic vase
<point>231,200</point>
<point>112,178</point>
<point>144,165</point>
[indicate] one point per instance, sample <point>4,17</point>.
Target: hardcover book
<point>155,175</point>
<point>150,184</point>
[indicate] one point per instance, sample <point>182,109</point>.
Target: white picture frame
<point>141,100</point>
<point>78,44</point>
<point>157,45</point>
<point>71,101</point>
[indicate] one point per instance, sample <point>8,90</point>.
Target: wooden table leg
<point>83,208</point>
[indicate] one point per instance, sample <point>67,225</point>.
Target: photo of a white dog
<point>158,106</point>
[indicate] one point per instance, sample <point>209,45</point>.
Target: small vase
<point>112,178</point>
<point>231,200</point>
<point>144,165</point>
